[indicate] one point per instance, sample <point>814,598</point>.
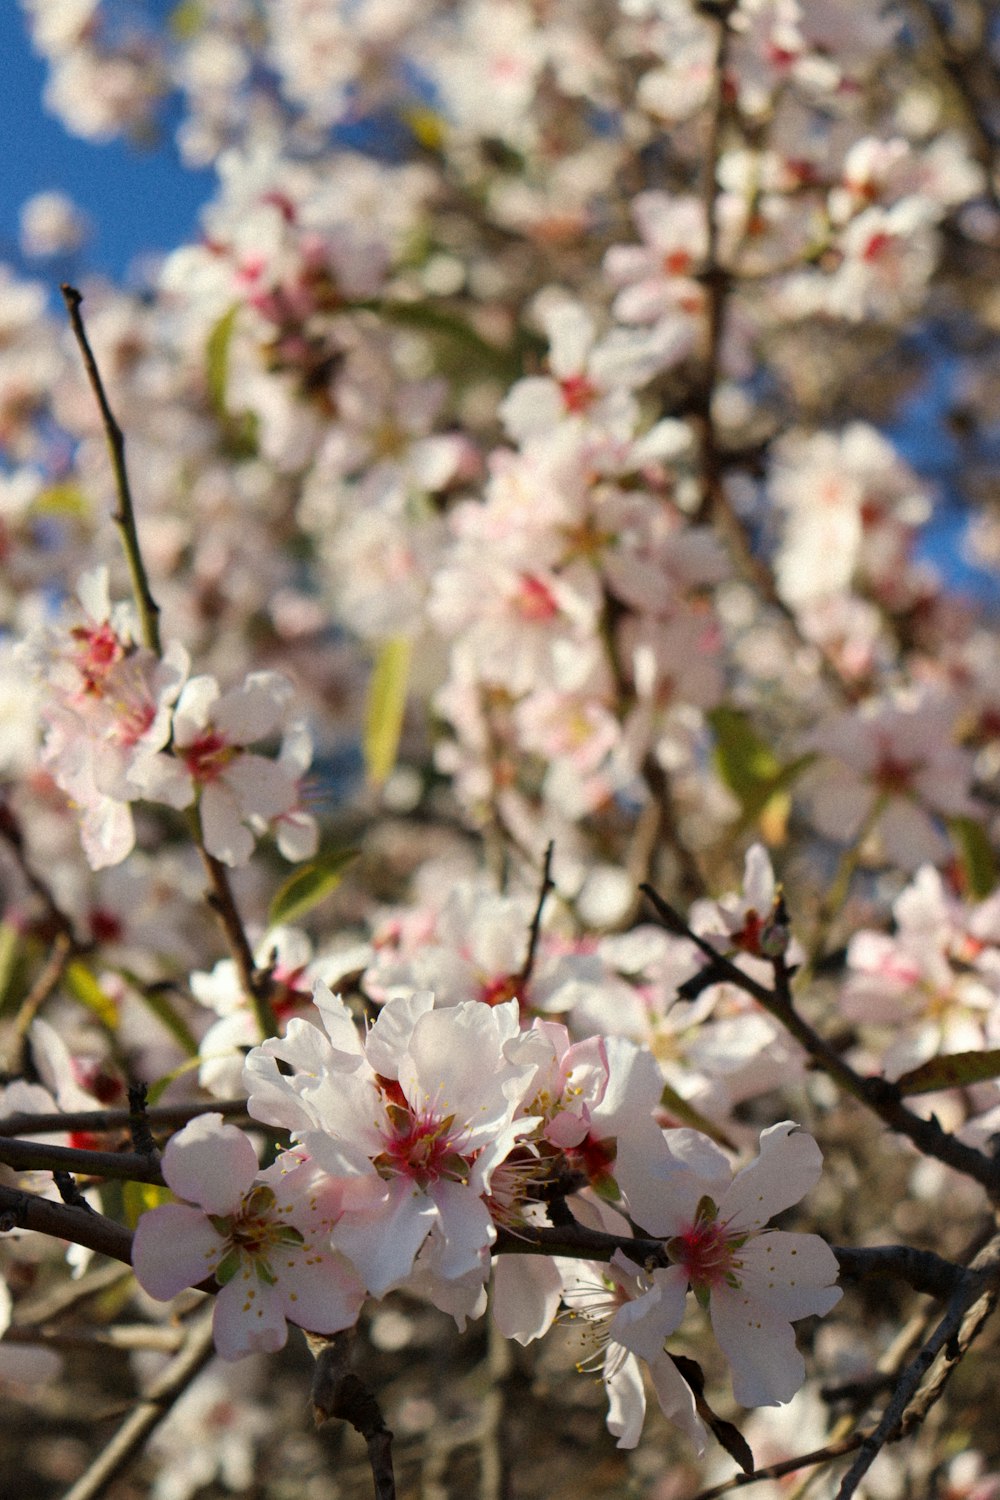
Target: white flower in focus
<point>409,1129</point>
<point>754,1282</point>
<point>261,1235</point>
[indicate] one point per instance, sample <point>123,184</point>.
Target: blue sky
<point>136,201</point>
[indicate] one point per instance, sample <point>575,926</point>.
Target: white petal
<point>174,1247</point>
<point>526,1293</point>
<point>793,1274</point>
<point>210,1164</point>
<point>248,1317</point>
<point>760,1345</point>
<point>788,1166</point>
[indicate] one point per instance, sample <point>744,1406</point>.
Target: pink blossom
<point>261,1235</point>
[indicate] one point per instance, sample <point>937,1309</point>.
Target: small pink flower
<point>263,1236</point>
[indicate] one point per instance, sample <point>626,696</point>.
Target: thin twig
<point>124,516</point>
<point>98,1121</point>
<point>967,1311</point>
<point>23,1210</point>
<point>876,1093</point>
<point>36,1156</point>
<point>535,930</point>
<point>338,1392</point>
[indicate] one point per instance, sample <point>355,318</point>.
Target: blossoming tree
<point>499,792</point>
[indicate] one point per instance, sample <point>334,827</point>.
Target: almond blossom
<point>411,1133</point>
<point>237,791</point>
<point>754,1282</point>
<point>261,1235</point>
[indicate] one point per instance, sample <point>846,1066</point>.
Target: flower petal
<point>211,1164</point>
<point>174,1247</point>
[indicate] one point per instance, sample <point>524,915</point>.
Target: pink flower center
<point>705,1254</point>
<point>535,599</point>
<point>577,392</point>
<point>98,651</point>
<point>208,756</point>
<point>422,1147</point>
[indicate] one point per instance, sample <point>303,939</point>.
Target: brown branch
<point>534,932</point>
<point>876,1093</point>
<point>62,1221</point>
<point>338,1392</point>
<point>36,1156</point>
<point>970,1306</point>
<point>101,1120</point>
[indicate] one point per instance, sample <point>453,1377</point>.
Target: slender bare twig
<point>150,1412</point>
<point>124,516</point>
<point>970,1305</point>
<point>96,1121</point>
<point>338,1392</point>
<point>876,1093</point>
<point>535,930</point>
<point>63,1221</point>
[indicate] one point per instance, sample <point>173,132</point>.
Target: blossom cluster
<point>409,1161</point>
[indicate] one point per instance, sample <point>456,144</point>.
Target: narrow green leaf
<point>60,500</point>
<point>217,360</point>
<point>157,1002</point>
<point>955,1070</point>
<point>138,1197</point>
<point>84,987</point>
<point>11,949</point>
<point>309,886</point>
<point>385,708</point>
<point>975,853</point>
<point>748,765</point>
<point>155,1091</point>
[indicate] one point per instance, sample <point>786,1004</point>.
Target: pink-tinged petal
<point>211,1164</point>
<point>248,1317</point>
<point>676,1400</point>
<point>222,826</point>
<point>526,1293</point>
<point>390,1036</point>
<point>760,1345</point>
<point>565,1129</point>
<point>384,1244</point>
<point>341,1028</point>
<point>626,1397</point>
<point>174,1247</point>
<point>319,1290</point>
<point>787,1168</point>
<point>194,708</point>
<point>793,1274</point>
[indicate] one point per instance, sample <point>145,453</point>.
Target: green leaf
<point>385,708</point>
<point>61,500</point>
<point>11,952</point>
<point>155,1091</point>
<point>139,1197</point>
<point>217,360</point>
<point>748,765</point>
<point>955,1070</point>
<point>309,886</point>
<point>84,987</point>
<point>975,853</point>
